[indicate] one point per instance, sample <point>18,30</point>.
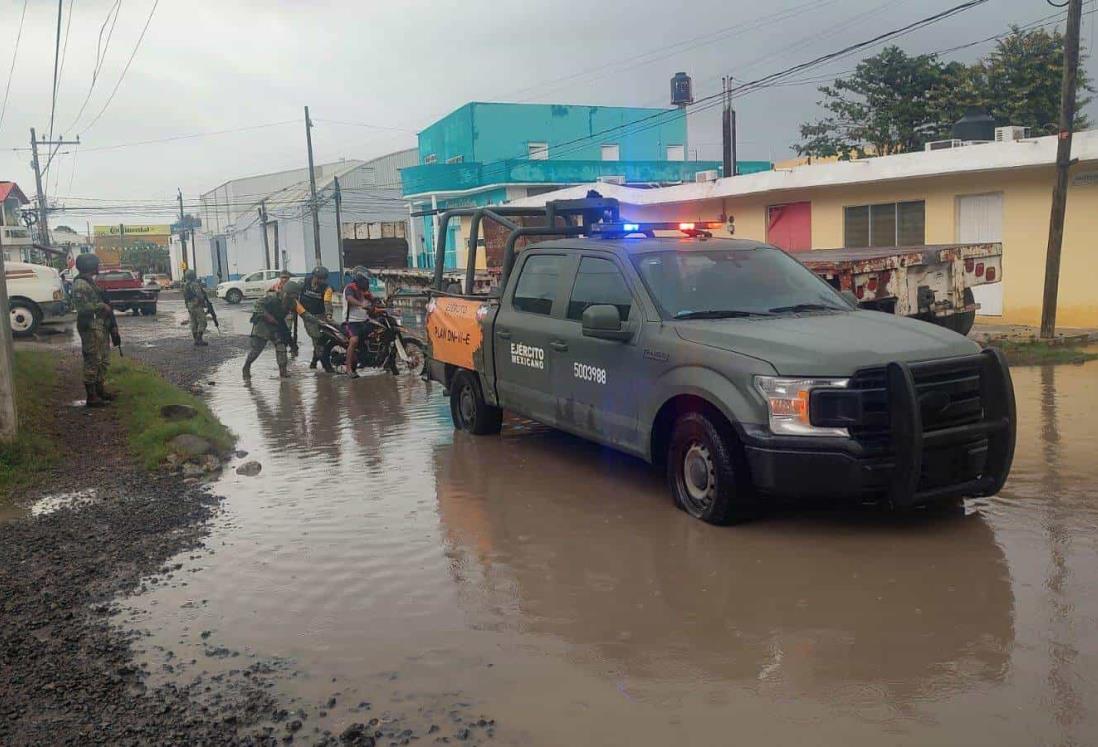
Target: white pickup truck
<point>35,293</point>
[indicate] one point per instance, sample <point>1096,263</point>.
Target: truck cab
<point>731,365</point>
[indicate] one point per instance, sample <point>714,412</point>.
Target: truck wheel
<point>962,323</point>
<point>468,408</point>
<point>148,310</point>
<point>705,473</point>
<point>234,296</point>
<point>25,318</point>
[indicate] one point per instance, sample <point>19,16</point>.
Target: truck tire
<point>148,310</point>
<point>962,323</point>
<point>469,410</point>
<point>25,317</point>
<point>705,471</point>
<point>234,296</point>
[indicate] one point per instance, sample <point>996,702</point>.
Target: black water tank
<point>977,124</point>
<point>682,90</point>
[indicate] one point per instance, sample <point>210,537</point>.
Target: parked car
<point>35,293</point>
<point>126,292</point>
<point>252,285</point>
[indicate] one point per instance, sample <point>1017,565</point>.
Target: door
<point>980,220</point>
<point>595,383</point>
<point>789,226</point>
<point>219,258</point>
<point>254,284</point>
<point>529,318</point>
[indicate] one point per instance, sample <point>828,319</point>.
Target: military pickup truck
<point>727,362</point>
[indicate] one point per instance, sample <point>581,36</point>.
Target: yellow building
<point>977,193</point>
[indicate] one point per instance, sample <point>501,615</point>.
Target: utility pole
<point>1063,164</point>
<point>728,129</point>
<point>339,226</point>
<point>40,193</point>
<point>262,209</point>
<point>9,418</point>
<point>312,185</point>
<point>183,232</point>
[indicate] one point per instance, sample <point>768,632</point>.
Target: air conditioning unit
<point>709,175</point>
<point>619,180</point>
<point>1011,134</point>
<point>943,144</point>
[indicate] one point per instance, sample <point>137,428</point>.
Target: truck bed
<point>876,258</point>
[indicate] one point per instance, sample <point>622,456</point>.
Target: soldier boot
<point>104,394</point>
<point>93,398</point>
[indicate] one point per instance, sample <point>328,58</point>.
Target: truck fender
<point>719,392</point>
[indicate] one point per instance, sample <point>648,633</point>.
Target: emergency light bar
<point>621,230</point>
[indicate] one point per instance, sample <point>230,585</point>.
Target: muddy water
<point>549,583</point>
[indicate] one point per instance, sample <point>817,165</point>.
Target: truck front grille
<point>949,395</point>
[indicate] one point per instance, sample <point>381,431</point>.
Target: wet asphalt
<point>548,588</point>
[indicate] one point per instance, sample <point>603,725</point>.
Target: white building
<point>230,242</point>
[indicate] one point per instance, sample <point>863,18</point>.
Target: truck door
<point>596,383</point>
<point>529,317</point>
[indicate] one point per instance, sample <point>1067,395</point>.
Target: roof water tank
<point>682,90</point>
<point>977,124</point>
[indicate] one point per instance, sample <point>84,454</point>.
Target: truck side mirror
<point>604,321</point>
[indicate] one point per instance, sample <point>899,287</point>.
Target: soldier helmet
<point>320,272</point>
<point>293,288</point>
<point>87,263</point>
<point>190,275</point>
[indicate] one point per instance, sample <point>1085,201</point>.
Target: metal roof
<point>11,188</point>
<point>970,159</point>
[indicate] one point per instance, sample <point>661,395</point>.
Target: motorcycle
<point>385,346</point>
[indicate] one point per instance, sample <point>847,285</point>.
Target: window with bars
<point>885,224</point>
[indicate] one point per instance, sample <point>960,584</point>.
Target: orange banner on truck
<point>453,326</point>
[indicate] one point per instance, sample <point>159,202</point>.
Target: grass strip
<point>1040,353</point>
<point>34,448</point>
<point>142,392</point>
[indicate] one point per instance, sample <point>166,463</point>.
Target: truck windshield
<point>718,283</point>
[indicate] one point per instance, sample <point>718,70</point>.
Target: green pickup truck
<point>726,361</point>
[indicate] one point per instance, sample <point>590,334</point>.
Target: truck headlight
<point>787,401</point>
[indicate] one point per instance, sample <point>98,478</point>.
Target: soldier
<point>93,319</point>
<point>316,298</point>
<point>283,278</point>
<point>194,295</point>
<point>269,325</point>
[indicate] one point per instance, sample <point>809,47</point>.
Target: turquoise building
<point>492,153</point>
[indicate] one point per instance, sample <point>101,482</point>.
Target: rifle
<point>112,330</point>
<point>212,313</point>
<point>283,331</point>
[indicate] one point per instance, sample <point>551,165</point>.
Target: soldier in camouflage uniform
<point>194,295</point>
<point>316,297</point>
<point>93,320</point>
<point>269,325</point>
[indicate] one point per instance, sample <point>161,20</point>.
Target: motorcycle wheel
<point>336,353</point>
<point>417,358</point>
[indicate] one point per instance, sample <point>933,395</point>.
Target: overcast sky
<point>396,66</point>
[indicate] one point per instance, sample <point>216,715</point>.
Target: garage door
<point>789,226</point>
<point>979,220</point>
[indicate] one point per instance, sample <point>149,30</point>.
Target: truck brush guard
<point>937,429</point>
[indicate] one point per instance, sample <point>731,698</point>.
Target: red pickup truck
<point>125,291</point>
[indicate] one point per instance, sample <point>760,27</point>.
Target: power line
<point>100,55</point>
<point>364,124</point>
<point>14,55</point>
<point>173,138</point>
<point>126,69</point>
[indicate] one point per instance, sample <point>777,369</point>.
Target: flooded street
<point>552,586</point>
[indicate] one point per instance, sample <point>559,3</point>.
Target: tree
<point>895,103</point>
<point>1018,82</point>
<point>146,257</point>
<point>886,106</point>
